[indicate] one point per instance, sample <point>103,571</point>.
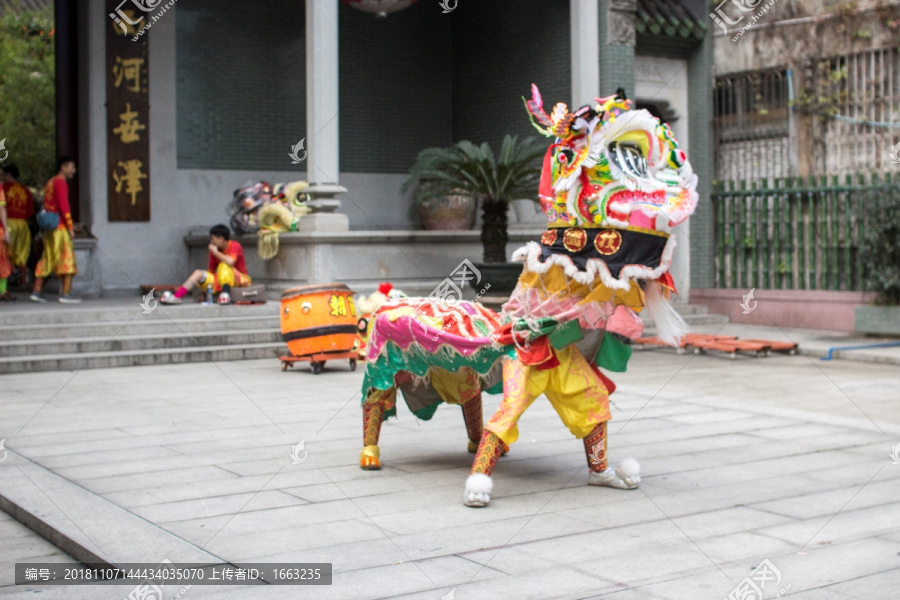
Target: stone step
<point>28,313</point>
<point>691,309</point>
<point>91,345</point>
<point>156,356</point>
<point>136,325</point>
<point>84,525</point>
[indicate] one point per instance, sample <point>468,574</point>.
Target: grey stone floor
<point>784,459</point>
<point>20,544</point>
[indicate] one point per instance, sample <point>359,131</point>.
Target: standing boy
<point>59,253</point>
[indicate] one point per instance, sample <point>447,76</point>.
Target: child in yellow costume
<point>227,269</point>
<point>58,257</point>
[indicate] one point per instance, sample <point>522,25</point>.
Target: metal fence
<point>855,97</point>
<point>793,234</point>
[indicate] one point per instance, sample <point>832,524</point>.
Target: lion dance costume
<point>614,185</point>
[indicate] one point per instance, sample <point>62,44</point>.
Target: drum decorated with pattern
<point>319,318</point>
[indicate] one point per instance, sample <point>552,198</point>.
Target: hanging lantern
<point>380,8</point>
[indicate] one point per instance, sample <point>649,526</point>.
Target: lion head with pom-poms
<point>612,166</point>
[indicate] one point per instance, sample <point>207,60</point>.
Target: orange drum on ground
<point>318,318</point>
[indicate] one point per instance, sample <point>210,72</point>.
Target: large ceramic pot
<point>451,212</point>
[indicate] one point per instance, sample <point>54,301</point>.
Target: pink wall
<point>806,309</point>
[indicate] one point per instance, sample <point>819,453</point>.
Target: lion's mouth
<point>631,198</point>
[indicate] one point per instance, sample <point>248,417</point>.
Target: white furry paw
<point>478,490</point>
<point>627,476</point>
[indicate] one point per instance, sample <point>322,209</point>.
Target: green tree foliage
<point>27,90</point>
<point>880,244</point>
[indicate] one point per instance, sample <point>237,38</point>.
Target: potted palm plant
<point>493,180</point>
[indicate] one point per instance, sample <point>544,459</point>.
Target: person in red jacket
<point>5,265</point>
<point>59,253</point>
<point>227,268</point>
<point>19,209</point>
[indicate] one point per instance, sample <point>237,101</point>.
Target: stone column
<point>617,39</point>
<point>585,45</point>
<point>322,104</point>
<point>700,134</point>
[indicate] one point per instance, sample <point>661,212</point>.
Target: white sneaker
<point>626,476</point>
<point>69,299</point>
<point>169,298</point>
<point>36,297</point>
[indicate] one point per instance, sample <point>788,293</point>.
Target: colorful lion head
<point>612,167</point>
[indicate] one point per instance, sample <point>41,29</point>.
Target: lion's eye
<point>628,158</point>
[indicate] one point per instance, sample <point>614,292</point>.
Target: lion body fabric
<point>614,185</point>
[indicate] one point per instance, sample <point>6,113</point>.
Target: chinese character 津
<point>131,178</point>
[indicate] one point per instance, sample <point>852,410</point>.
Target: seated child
<point>226,269</point>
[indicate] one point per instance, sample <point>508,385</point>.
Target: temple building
<point>169,109</point>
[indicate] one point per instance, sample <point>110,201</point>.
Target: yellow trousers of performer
<point>225,275</point>
<point>19,242</point>
<point>576,393</point>
<point>59,255</point>
<point>455,388</point>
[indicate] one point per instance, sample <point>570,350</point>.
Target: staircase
<point>116,333</point>
<point>55,337</point>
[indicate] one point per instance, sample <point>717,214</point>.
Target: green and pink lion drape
<point>614,185</point>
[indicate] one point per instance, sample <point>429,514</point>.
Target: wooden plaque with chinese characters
<point>127,114</point>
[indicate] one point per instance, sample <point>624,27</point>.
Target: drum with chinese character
<point>319,319</point>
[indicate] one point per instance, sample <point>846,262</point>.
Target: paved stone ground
<point>782,458</point>
<point>20,544</point>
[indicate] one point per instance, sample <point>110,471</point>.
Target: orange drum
<point>319,318</point>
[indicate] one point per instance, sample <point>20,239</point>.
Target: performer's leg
<point>66,266</point>
<point>489,450</point>
<point>521,385</point>
<point>38,286</point>
<point>225,277</point>
<point>472,414</point>
<point>626,476</point>
<point>580,398</point>
<point>462,387</point>
<point>595,448</point>
<point>44,268</point>
<point>41,273</point>
<point>5,268</point>
<point>196,278</point>
<point>20,248</point>
<point>377,403</point>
